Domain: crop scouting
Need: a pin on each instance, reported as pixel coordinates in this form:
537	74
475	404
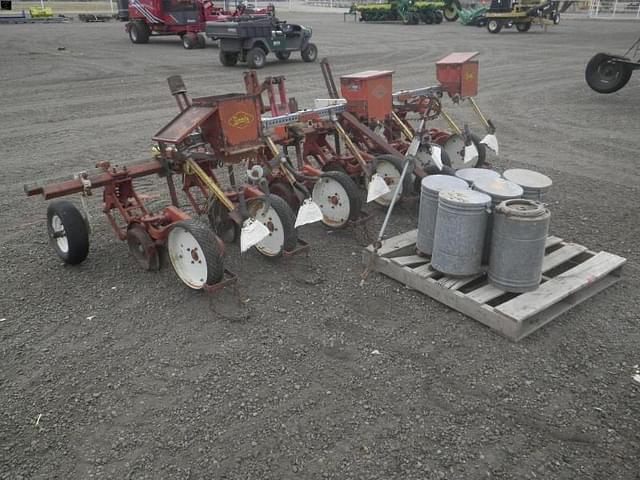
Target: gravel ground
111	372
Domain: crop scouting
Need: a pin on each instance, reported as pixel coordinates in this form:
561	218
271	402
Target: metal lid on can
471	175
499	188
465	196
437	183
528	178
520	207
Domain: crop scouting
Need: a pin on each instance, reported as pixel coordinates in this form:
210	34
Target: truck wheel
606	74
494	26
139	32
201	41
256	58
228	59
309	53
523	27
189	40
68	232
283	55
438	17
556	18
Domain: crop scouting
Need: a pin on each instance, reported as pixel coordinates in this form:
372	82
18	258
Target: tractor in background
409	12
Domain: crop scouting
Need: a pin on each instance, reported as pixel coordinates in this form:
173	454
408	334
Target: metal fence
614	9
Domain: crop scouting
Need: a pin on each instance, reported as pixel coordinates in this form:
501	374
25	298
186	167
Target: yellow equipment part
40	12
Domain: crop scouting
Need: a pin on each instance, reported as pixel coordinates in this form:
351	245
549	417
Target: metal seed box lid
498	188
520	207
368	74
466	196
437	183
528	178
472	175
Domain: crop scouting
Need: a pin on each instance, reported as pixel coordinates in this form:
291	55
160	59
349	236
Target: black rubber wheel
438	17
68	232
189	40
139	32
494	26
221	224
606	74
398	164
450	14
284	190
334	167
256	58
228	59
523	27
286	219
482	150
309	53
428	17
482	22
556	18
201	41
143	248
353	194
283	55
196	254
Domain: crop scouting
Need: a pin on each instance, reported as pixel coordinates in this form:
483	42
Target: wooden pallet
571	274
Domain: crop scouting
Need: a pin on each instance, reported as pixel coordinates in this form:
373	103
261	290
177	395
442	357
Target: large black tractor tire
605	74
438	17
450	14
256	58
139	32
228	59
68	232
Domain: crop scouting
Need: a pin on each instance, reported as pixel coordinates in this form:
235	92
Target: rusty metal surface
182	125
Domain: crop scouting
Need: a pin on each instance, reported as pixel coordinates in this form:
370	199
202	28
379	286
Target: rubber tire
288	220
353	192
398	163
201	41
309	53
139	32
221	224
523	27
450	17
497	28
211	249
482	150
283	56
438	17
228	59
593	77
75	229
189	41
284	190
556	19
334	167
256	58
428	17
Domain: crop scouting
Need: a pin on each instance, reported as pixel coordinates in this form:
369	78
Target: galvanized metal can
534	185
471	175
520	229
460	231
499	190
431	186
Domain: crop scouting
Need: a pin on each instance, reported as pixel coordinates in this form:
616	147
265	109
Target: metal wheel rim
493	24
312	52
60	234
391	176
273	244
187	258
609	72
259	60
454	146
333	201
134	34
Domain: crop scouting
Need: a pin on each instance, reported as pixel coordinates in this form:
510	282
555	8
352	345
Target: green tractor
409	12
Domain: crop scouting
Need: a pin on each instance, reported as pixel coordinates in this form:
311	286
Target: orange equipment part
458	73
368	94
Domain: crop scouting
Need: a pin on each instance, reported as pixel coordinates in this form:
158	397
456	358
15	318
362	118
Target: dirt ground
112	372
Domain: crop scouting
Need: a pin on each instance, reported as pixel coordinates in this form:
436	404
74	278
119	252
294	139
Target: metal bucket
499	190
520	229
535	185
432	185
471	175
460	231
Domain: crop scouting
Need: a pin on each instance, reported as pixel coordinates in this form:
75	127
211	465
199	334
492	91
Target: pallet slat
410	260
560	287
